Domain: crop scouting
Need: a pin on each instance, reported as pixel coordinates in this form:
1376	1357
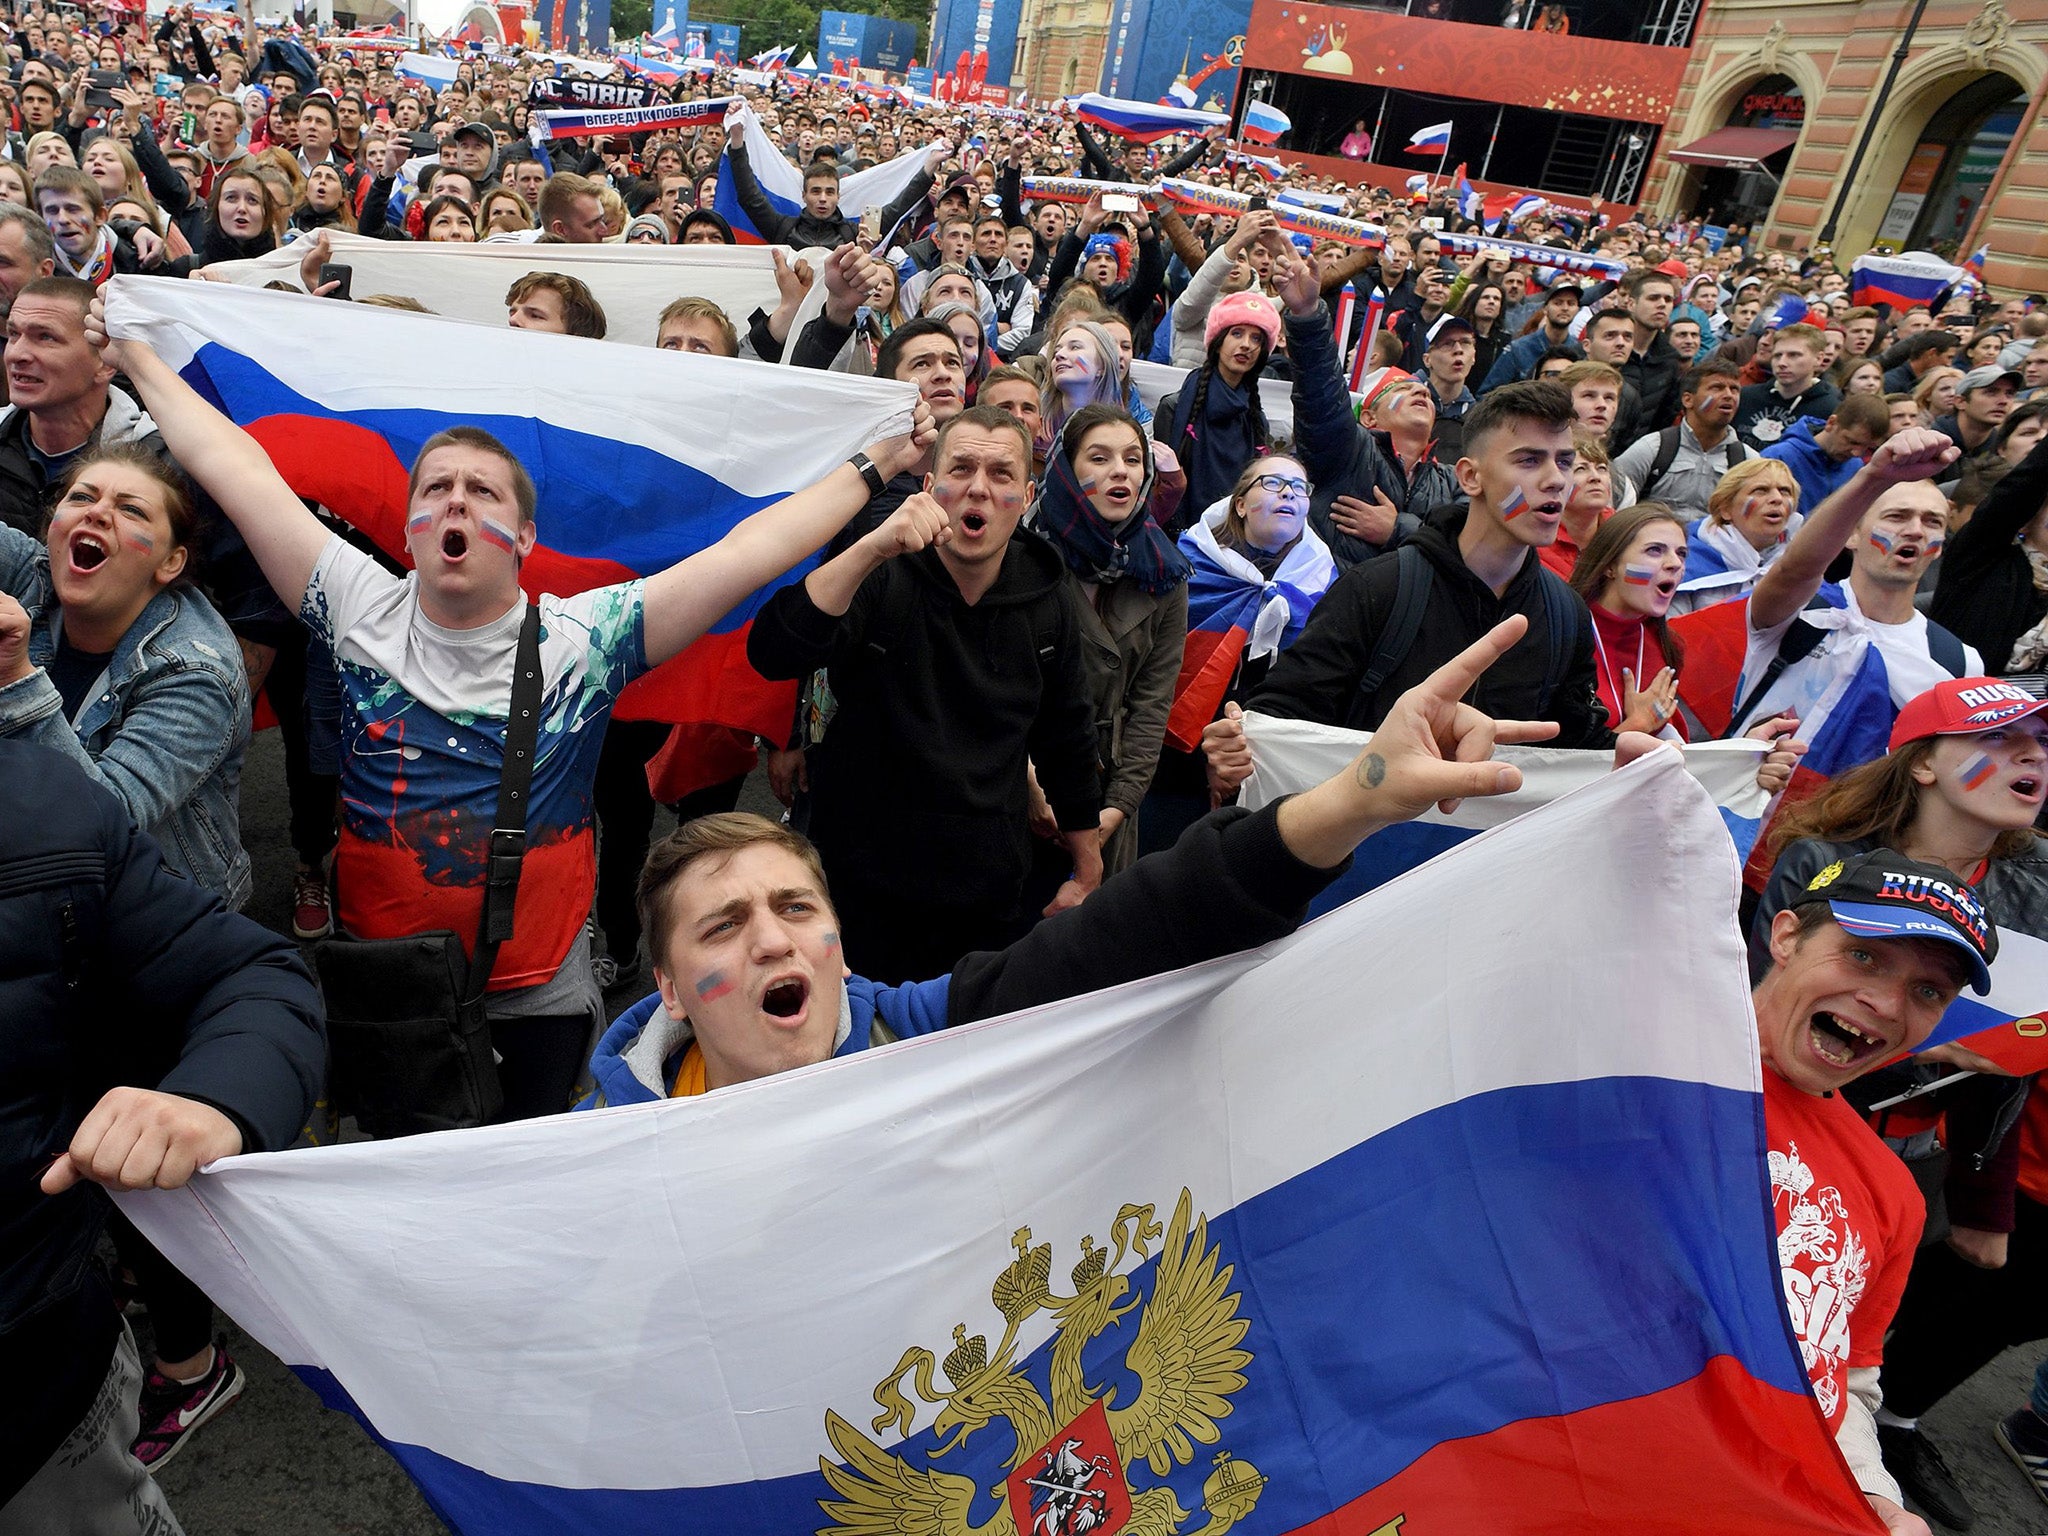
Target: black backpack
1667	455
1414	581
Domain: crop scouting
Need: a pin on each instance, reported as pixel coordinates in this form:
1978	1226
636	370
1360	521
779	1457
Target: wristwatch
869	473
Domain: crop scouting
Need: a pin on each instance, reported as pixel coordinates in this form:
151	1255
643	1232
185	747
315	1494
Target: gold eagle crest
1074	1449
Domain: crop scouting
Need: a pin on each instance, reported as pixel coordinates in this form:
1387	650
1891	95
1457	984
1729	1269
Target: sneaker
611	976
171	1410
1918	1465
2024	1437
312	912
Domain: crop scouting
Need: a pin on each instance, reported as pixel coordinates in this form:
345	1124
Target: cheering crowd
1441	487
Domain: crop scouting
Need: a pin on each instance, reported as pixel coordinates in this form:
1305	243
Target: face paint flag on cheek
1516	504
137	539
713	985
1975	771
494	532
1881	544
1638	575
419	522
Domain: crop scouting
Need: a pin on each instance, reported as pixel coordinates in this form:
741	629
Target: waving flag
1292	755
1266	165
434	70
1397	1226
1470	204
468	282
774	58
783	184
1143	121
1433	140
1264	123
639	457
1902	281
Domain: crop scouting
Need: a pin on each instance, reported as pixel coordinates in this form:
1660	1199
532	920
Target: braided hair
1255	408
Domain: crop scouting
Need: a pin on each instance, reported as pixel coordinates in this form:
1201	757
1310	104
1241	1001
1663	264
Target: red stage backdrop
1631	82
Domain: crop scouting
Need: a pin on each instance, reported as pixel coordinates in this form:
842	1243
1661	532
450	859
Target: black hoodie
918	789
1317	678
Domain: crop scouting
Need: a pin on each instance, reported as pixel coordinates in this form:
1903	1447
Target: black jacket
1131	298
1985	593
1228	885
800	231
1655	375
1317	678
1098	163
1345	458
113	971
918	790
186	210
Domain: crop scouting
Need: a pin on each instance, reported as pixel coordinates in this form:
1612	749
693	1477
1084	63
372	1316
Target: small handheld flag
1433	140
1264	124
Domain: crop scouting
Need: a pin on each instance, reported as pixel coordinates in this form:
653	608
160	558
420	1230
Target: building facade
1061	46
1784	120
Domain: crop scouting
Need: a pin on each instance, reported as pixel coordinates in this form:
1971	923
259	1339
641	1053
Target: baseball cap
1989	374
1885	895
475	131
1445	325
1963	706
1564	282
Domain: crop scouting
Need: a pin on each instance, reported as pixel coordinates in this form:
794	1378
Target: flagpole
1442	158
1487	163
1380	121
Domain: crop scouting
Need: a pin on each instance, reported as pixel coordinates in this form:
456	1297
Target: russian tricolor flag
1399	1225
1141	120
1433	140
430	68
1903	281
1263	124
783	184
640	457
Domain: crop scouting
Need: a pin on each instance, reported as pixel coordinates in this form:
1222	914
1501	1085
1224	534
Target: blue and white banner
1396	1225
1291	755
670	114
783	184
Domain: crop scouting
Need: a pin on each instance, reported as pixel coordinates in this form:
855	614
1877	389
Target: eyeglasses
1279	485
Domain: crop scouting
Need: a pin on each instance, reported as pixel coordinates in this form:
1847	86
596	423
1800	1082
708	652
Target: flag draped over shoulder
1395	1225
1292	755
632	283
783	184
639	458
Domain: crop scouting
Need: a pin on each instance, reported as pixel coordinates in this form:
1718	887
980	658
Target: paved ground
279	1464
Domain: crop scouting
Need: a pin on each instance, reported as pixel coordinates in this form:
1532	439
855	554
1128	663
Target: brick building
1777	96
1060	46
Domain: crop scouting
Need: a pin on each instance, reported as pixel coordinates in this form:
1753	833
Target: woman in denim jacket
109	654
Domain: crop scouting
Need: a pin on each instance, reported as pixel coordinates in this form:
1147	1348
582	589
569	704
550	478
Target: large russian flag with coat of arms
639	457
1447	1215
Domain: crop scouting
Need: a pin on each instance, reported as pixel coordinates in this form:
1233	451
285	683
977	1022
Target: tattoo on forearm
1373	771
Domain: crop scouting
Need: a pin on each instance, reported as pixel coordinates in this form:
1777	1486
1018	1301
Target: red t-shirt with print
1849	1219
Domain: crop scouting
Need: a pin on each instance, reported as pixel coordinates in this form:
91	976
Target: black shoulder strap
1413	580
508	835
1559	608
1947	651
1800	642
1660	466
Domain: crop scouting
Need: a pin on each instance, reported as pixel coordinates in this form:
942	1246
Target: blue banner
888	45
1174	51
840	34
725	42
977	26
919	80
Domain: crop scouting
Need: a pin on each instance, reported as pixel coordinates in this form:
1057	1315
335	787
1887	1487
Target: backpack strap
1947	650
1558	608
1412	584
1800	641
1660	466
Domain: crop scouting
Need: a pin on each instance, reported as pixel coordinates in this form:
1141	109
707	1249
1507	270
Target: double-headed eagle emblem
1075	1448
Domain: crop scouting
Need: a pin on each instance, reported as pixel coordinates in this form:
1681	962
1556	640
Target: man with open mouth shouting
426	668
1863	965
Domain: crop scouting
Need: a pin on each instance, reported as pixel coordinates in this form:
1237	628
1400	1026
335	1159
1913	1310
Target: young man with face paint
755	970
955	659
426	672
1482	566
1863	960
1893	522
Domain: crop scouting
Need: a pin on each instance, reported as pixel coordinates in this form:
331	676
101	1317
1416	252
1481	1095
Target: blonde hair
1741	479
